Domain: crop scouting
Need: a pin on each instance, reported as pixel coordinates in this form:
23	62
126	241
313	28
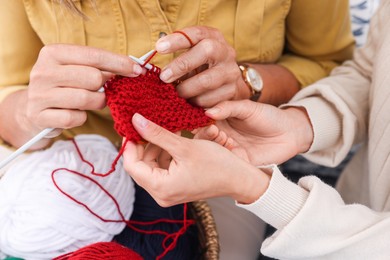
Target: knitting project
155	100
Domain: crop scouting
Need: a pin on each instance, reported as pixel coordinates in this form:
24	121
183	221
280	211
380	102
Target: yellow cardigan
307	37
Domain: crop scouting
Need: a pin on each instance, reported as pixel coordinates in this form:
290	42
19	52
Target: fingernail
139	120
163	46
137	69
166	75
213	111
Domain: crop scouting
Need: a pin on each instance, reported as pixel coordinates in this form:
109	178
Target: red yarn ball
102	250
155	100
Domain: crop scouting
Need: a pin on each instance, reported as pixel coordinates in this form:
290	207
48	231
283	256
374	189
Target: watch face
255	80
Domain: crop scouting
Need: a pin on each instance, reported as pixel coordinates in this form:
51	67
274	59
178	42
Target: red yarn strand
187	37
186	222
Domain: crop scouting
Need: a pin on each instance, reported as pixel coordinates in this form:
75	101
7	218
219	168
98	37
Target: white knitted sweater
315	221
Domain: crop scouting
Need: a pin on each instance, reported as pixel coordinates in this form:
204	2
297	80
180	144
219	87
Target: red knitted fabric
155	100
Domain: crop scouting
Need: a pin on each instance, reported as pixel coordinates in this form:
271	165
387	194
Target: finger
152	153
212	133
242	109
78	76
135	166
71	98
213	97
207	133
207	52
156	134
205	81
231	144
164	160
60	118
67	54
176	41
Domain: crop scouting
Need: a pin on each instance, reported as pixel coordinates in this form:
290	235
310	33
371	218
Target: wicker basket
208	235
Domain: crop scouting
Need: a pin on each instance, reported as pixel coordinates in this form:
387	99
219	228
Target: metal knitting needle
46	131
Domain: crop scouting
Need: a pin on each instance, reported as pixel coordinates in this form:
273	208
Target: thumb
156	134
241	109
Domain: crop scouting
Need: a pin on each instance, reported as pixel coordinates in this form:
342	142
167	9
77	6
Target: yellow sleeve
19	47
318	38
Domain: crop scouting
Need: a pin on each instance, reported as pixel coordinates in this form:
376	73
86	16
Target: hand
266	133
221	80
64	84
199	169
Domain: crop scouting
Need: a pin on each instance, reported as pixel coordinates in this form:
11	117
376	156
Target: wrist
251	186
16	128
304	134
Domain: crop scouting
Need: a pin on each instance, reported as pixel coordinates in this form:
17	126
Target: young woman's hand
218	77
199	169
267	134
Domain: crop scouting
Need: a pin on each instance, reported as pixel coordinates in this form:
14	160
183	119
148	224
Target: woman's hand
267	134
199	169
220	78
63	85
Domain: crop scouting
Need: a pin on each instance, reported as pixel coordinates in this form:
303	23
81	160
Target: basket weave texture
208	235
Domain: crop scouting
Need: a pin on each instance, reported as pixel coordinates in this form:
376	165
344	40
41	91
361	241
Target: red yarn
155	100
102	250
170	239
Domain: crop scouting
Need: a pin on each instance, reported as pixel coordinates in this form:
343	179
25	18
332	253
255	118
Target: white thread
39	222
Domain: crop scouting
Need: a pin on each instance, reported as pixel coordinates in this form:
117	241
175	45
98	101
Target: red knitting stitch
155	100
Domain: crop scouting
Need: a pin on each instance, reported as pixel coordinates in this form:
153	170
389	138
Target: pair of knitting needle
46	131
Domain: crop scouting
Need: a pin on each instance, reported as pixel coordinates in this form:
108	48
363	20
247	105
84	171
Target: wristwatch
253	80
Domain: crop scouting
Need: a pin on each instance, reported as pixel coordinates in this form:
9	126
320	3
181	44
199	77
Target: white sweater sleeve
338	106
313	222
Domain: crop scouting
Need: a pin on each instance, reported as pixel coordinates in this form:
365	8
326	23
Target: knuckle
35	74
38	73
198	32
209	47
183	64
83	98
125	63
48	50
204	101
70	119
205	81
100	102
95	78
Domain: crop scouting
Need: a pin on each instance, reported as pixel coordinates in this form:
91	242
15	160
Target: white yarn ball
37	221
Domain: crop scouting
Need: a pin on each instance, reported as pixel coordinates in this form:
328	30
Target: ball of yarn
155	100
37	221
102	250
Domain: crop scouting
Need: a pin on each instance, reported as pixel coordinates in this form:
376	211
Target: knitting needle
141	62
25	147
46	131
146	55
